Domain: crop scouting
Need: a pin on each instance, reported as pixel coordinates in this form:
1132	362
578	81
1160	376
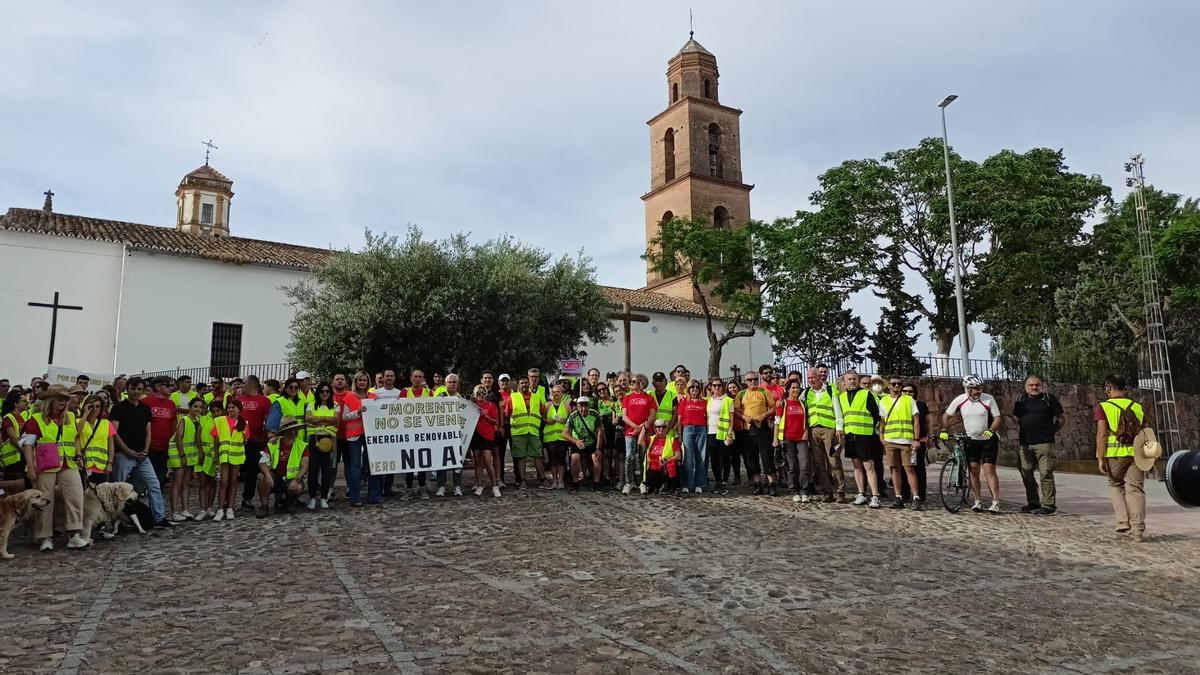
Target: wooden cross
54	307
626	316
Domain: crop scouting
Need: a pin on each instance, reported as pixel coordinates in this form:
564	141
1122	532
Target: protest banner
407	435
66	377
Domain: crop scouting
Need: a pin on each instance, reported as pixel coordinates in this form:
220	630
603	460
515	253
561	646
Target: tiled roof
208	173
691	46
237	250
244	251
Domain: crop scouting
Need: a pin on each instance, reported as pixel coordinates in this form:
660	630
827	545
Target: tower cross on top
208	148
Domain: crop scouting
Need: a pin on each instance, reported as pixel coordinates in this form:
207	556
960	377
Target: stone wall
1076	441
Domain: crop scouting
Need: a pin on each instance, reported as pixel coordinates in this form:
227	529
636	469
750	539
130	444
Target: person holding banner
525	409
416	390
585	432
450	390
483	440
351	446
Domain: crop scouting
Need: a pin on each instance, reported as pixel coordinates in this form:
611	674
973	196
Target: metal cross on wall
626	316
54	307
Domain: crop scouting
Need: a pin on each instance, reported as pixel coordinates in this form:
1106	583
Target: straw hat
289	424
1146	449
54	391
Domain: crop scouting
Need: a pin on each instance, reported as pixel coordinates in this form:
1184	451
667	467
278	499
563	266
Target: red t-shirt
254	411
693	412
776	392
484	427
638	407
352	427
162	422
795	426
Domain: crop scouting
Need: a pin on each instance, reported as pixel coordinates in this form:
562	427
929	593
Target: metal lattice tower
1162	386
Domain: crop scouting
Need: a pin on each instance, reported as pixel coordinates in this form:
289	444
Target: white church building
126	278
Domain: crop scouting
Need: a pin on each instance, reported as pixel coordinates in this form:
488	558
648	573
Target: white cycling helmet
973	381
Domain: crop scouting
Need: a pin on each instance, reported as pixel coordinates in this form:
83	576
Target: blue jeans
633	461
695	460
141	475
355	454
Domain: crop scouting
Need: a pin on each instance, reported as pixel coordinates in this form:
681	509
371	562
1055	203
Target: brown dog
14	509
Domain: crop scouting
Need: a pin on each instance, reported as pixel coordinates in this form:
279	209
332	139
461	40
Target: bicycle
954	479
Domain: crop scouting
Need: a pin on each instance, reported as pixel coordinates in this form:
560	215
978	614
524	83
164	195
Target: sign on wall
408	435
66	377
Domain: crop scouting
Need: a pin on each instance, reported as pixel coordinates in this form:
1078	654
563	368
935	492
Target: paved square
599	583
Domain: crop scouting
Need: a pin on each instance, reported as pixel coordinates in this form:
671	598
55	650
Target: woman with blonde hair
483	438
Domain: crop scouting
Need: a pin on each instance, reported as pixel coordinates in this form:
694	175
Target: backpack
1128	425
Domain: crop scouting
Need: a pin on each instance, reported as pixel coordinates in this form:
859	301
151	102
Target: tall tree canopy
718	264
1015	214
446	304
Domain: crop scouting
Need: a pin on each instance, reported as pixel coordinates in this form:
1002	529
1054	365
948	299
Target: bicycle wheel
953	484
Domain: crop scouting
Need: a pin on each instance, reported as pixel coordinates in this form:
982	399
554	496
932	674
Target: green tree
718	263
893	340
450	304
836	339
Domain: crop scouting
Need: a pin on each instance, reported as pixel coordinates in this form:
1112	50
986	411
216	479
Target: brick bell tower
695	157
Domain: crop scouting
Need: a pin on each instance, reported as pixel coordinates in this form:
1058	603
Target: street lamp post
958	291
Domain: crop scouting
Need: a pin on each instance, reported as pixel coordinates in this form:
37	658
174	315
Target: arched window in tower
714	151
669	154
720	217
708	89
674	92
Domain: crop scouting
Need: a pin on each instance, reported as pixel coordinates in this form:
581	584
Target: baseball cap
503	376
659	376
582	399
303	375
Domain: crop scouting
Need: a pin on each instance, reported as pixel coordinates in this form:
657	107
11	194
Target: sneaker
457	491
860	499
874	502
324	503
523	486
201	516
699	491
829	499
187	515
247	505
478	490
804	498
840	499
228	514
898	503
546	485
916	504
1136	536
495	490
774	489
758	490
424	493
77	541
219	515
626	489
595	487
312	503
796	497
263	512
441	491
1031	508
978	506
686	491
1045	511
47	544
176	517
164	524
1122	528
994	508
643	489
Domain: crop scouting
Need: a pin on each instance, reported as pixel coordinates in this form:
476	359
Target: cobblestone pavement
598	583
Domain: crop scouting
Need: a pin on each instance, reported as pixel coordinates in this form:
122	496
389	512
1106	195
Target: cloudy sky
529	118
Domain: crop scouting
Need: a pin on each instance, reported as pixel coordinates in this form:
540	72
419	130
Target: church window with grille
226	355
714	151
206	214
669	153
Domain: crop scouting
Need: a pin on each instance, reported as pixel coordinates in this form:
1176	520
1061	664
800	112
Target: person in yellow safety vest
230	436
439	385
209	464
12	419
525	410
720	431
322	418
283	467
1118	419
96	439
664	399
305	392
558	410
534	376
271	390
49	443
861	413
826	436
182	397
680	376
218	392
291	405
183	456
661	464
899	421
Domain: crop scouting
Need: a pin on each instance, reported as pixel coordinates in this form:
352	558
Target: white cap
582	399
304	375
503	376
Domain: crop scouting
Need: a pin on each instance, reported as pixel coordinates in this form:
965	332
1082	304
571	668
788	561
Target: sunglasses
752	379
910	391
894	384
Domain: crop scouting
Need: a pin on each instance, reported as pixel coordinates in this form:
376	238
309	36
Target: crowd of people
204	451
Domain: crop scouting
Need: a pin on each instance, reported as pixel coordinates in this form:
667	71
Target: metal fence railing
951	367
264	371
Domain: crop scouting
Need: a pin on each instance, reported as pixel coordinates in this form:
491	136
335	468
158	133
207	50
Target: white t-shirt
714	412
380	392
974	413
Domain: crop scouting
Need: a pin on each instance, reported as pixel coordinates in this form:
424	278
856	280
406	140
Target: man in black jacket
1039	415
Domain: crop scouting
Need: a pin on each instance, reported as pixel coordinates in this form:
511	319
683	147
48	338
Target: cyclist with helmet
980	417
